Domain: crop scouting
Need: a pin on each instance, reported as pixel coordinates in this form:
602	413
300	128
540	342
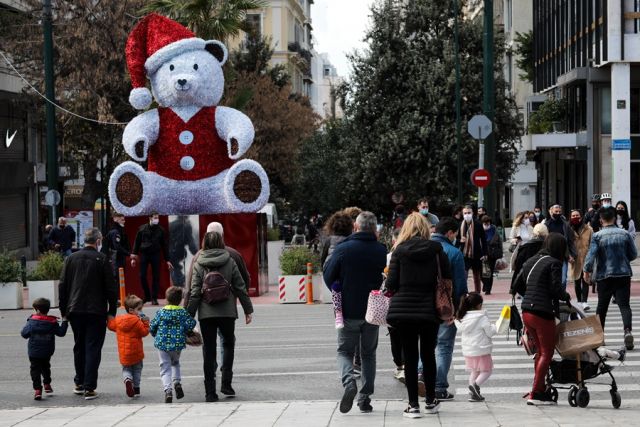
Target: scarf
467	251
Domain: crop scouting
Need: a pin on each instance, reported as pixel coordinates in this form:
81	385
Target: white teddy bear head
192	78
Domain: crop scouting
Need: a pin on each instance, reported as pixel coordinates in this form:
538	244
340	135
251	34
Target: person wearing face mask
473	244
558	224
494	251
423	208
622	218
116	244
62	237
445	234
537	212
150	243
582	236
521	231
592	217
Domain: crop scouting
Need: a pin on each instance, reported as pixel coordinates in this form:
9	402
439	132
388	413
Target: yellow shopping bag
502	325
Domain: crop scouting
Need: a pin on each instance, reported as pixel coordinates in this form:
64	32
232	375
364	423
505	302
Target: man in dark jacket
151	241
357	263
116	244
88	296
473	244
592	217
62	237
558	224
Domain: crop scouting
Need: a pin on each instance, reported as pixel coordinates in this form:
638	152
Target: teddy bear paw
129	189
247	186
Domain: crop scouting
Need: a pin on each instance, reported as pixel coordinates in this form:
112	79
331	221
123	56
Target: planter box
274	250
320	291
292	289
10	295
44	289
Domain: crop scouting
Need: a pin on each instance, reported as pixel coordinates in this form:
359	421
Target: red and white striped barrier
292	289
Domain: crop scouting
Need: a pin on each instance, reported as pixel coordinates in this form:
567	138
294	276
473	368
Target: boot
226	388
210	391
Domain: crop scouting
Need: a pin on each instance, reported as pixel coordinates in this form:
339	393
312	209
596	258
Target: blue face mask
424	211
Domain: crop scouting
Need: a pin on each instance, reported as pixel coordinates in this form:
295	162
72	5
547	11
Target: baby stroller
574	369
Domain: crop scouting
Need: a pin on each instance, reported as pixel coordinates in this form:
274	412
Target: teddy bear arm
140	133
235	129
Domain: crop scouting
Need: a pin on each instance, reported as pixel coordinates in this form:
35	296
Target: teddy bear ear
218	50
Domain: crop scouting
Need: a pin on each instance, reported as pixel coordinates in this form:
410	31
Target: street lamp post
52	145
488	101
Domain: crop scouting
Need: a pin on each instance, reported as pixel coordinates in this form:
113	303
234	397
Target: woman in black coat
413	277
540	284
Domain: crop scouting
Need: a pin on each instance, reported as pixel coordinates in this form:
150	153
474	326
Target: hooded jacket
413	278
170	327
41	330
218	260
129	329
477	331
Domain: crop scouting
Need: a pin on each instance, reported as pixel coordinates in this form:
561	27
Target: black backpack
215	288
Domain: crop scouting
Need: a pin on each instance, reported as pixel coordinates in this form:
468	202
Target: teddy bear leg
130	191
246	187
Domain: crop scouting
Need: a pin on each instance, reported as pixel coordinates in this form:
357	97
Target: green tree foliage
208	19
253	57
399	106
524	50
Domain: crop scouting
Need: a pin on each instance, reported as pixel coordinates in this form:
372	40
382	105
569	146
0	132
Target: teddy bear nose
182	82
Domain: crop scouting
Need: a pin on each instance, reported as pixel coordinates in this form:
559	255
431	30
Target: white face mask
606	205
526	221
486	227
155	221
468	217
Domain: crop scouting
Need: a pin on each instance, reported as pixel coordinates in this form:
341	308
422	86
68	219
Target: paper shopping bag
577	336
502	325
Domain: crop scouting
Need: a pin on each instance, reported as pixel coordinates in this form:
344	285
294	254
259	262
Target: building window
508	15
327	71
509	65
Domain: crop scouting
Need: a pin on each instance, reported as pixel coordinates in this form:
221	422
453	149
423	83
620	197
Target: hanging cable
53	103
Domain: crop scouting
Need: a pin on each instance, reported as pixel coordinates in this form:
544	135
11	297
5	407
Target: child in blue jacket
170	327
41	330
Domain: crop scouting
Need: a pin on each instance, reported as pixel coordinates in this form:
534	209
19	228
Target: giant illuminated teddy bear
191	145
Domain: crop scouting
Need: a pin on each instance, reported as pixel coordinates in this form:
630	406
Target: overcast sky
338	29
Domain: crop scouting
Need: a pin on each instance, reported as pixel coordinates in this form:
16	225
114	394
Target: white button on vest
186	137
187	163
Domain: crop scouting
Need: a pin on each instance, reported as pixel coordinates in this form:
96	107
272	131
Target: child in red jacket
130	328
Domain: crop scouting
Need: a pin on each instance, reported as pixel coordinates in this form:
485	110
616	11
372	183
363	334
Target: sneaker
48	389
78	389
432	407
540	399
399	375
444	395
622	354
339	320
179	392
37	395
585	306
90	395
136	391
168	396
226	389
474	393
128	387
154	302
365	406
346	403
628	340
422	389
412	412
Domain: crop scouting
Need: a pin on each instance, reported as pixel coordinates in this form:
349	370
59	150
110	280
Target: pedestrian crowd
427	253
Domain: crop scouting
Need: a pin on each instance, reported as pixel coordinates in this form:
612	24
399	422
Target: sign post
480	127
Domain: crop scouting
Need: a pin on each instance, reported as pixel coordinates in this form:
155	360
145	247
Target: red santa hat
152	42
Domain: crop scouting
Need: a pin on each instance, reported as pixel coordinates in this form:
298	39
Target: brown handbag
444	289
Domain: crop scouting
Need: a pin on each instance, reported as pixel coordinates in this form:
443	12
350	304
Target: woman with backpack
216	275
540	284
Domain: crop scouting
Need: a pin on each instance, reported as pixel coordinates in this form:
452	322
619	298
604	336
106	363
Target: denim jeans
133	372
444	354
358	331
169	368
565	271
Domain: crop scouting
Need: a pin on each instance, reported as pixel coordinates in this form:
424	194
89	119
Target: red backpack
215	288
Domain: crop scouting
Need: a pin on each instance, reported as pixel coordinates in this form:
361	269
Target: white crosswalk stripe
513	368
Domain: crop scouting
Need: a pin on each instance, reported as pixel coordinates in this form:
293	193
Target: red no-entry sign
480	178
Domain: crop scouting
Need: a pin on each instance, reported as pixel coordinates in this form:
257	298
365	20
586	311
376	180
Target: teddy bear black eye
171	67
195	66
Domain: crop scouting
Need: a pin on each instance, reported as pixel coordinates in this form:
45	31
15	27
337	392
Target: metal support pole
488	103
52	144
458	119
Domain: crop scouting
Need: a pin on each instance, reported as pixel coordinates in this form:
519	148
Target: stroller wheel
553	393
572	396
582	397
616	400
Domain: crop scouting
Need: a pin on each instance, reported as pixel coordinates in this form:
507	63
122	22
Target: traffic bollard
122	287
309	283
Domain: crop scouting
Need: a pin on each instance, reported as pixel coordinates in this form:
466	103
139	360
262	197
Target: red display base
244	232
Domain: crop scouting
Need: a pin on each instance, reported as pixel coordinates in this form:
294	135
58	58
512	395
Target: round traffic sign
480	178
52	198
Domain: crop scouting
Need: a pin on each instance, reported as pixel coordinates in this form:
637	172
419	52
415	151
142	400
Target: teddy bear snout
182	85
